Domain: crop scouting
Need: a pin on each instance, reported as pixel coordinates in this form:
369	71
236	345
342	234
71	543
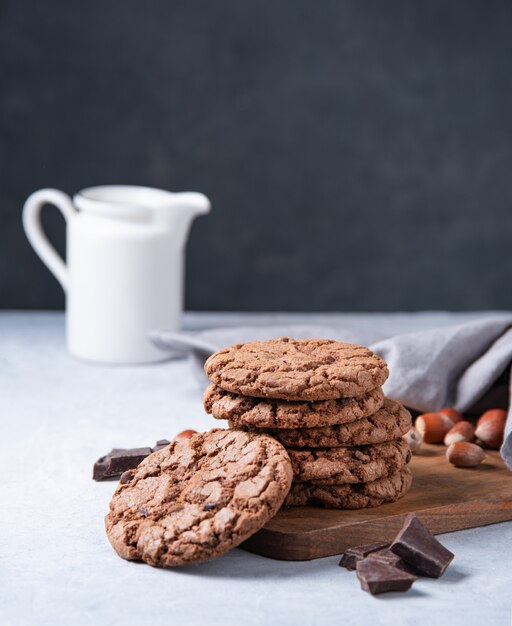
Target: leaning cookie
267	413
363	464
289	369
390	422
358	496
198	498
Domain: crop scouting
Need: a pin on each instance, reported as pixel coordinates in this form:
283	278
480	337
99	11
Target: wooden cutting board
446	498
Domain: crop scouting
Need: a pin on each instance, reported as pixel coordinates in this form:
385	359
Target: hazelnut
185	434
490	428
414	439
465	454
433	426
461	431
453	414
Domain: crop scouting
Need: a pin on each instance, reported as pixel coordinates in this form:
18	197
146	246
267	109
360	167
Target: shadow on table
248	566
412	594
245	565
453	575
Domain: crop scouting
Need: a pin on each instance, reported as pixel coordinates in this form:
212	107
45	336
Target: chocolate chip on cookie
198	497
245	411
390	422
351	496
289	369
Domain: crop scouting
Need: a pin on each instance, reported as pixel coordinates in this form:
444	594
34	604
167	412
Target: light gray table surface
56	566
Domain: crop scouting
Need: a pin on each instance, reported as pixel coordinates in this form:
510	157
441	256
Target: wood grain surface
445	498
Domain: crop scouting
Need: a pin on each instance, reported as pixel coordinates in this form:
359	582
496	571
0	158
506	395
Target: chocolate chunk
161	443
390	558
420	549
98	471
352	555
378	577
100	467
126	477
117	461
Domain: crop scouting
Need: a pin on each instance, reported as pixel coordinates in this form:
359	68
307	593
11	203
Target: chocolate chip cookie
198	497
289	369
351	496
390	422
267	413
363	464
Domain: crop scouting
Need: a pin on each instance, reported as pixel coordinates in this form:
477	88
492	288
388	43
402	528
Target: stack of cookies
323	401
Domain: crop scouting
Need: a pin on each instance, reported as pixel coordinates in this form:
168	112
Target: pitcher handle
36	235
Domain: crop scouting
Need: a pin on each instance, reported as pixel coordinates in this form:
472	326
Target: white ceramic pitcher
125	264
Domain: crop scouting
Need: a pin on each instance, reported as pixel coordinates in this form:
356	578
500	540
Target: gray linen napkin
450	366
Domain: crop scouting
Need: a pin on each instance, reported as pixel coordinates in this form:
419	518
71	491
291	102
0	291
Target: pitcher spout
177	216
193	202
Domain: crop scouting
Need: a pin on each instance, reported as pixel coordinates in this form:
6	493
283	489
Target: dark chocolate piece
126	477
420	549
117	461
390	558
100	467
378	577
351	556
98	471
161	443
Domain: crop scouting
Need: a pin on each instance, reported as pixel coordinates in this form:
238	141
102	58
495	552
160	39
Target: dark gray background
358	155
